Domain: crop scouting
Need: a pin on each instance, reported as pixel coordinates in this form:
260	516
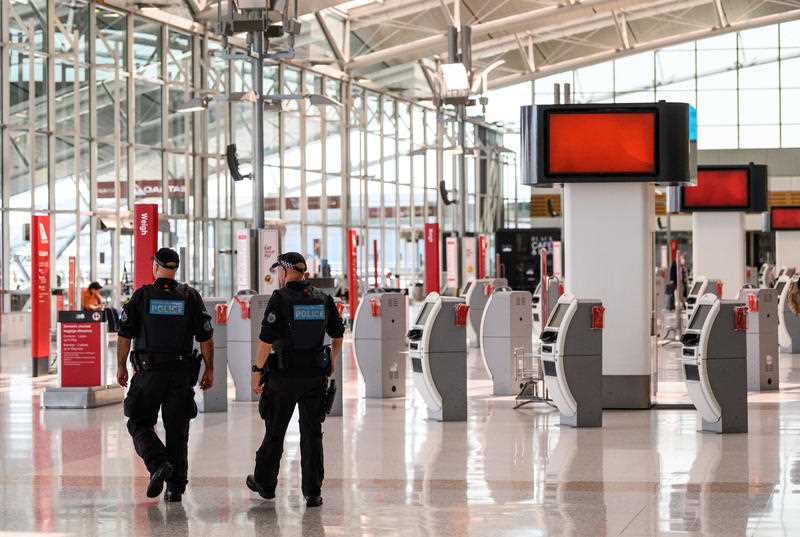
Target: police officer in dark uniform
162	319
293	355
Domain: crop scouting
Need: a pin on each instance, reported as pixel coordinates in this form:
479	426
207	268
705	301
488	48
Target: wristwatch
257	369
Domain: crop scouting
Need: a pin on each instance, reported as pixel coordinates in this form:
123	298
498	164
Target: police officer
162	319
291	350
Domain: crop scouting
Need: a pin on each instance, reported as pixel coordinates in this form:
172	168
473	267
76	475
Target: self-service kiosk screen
699	317
558	316
426	310
466	287
696	288
780	287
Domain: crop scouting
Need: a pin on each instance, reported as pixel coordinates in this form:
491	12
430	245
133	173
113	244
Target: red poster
145	242
483	244
352	267
80	352
40	293
432	271
71	282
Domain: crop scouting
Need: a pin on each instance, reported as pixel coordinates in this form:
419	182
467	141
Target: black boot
258	489
172	496
157	479
313	501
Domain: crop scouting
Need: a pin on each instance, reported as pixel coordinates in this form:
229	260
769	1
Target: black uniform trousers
170	389
281	395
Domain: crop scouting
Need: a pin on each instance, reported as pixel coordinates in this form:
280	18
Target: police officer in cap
162	319
292	352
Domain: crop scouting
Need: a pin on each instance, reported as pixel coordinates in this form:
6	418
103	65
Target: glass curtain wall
90	110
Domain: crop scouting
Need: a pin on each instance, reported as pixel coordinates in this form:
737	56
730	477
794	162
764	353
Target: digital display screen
426	310
696	288
699	317
467	287
601	143
780	287
785	218
718	188
558	316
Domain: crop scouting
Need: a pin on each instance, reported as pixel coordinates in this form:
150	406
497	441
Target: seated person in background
91	299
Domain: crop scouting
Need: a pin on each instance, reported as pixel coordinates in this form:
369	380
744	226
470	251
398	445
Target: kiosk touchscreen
762	338
715	364
700	286
438	347
553	292
379	342
476	293
506	338
245	313
788	322
572	358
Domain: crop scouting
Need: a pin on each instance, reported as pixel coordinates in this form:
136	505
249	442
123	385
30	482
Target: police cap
290	261
167	258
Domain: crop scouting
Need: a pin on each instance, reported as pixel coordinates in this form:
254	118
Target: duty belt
149	360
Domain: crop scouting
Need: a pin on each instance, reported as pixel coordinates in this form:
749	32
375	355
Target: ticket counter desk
714	357
572	358
438	349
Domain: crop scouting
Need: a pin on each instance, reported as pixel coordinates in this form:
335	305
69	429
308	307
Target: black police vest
166	321
307	321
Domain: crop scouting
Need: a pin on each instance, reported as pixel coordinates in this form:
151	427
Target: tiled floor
389	471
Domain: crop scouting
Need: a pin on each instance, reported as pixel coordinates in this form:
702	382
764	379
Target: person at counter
91	300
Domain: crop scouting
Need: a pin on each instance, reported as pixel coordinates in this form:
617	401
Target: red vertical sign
352	267
73	305
145	242
40	293
673	250
483	244
432	272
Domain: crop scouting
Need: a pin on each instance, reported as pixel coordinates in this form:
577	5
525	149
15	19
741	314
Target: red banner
145	242
81	352
40	293
432	272
71	282
483	245
352	267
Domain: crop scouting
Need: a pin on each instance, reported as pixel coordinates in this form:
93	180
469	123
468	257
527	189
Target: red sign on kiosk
81	349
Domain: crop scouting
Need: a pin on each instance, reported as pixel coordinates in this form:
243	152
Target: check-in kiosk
476	293
438	349
215	399
700	286
379	341
762	338
788	322
506	338
245	314
572	358
787	271
553	292
715	364
766	276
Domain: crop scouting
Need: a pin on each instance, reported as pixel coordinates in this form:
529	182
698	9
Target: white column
787	249
718	249
608	255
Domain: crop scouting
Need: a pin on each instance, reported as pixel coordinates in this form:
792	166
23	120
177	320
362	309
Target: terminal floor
391	472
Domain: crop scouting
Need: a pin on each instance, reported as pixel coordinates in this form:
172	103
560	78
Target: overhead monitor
558	315
591	143
423	315
699	317
785	218
727	188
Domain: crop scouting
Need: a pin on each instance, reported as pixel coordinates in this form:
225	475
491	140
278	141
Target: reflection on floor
389	471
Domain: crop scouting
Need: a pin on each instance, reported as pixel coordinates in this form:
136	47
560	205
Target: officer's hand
208	379
255	383
122	376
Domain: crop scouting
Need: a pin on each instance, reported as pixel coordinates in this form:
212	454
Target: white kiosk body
216	398
438	349
700	286
715	365
766	276
476	295
506	338
553	287
762	338
788	322
379	342
245	314
572	358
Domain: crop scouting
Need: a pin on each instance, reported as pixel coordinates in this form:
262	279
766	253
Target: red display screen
601	143
718	189
785	218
